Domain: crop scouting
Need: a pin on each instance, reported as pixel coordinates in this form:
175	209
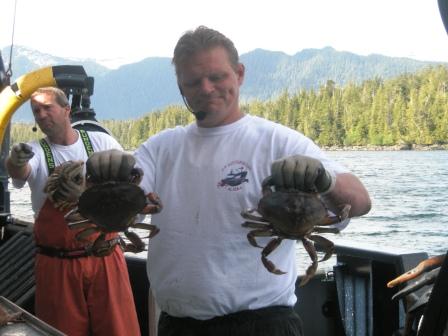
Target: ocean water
409	199
409	192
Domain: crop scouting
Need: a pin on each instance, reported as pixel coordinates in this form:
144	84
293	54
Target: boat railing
352	299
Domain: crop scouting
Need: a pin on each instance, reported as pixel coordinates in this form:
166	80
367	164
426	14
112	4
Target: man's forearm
349	190
21	172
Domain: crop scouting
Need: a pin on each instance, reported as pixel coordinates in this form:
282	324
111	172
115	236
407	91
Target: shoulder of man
103	141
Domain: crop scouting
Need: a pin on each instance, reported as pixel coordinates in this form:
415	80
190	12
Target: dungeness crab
113	206
104	207
291	214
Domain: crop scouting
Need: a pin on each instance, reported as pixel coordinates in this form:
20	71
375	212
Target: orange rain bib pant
81	296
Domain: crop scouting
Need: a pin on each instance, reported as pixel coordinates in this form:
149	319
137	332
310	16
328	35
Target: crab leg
271	246
311	270
258	233
102	247
318	229
343	215
423	266
154	206
327	245
249	214
137	245
154	229
85	233
255	225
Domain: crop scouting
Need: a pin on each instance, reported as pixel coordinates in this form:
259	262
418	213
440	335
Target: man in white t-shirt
76	292
205	276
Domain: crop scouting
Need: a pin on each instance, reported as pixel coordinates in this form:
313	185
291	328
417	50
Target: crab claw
271	246
154	206
327	246
154	229
345	212
310	271
137	245
102	247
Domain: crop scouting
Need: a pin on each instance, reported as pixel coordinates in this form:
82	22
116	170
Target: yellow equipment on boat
14	95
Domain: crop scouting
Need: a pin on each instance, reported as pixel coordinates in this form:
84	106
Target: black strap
87	251
49	158
61	253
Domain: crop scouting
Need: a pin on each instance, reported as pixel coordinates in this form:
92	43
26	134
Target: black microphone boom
200	115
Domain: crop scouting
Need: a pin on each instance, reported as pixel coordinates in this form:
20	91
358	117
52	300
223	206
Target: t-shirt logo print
235	174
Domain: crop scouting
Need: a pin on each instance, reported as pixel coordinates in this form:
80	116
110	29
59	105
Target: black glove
302	173
109	165
20	154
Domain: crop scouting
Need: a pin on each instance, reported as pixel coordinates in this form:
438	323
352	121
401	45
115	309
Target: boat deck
351	299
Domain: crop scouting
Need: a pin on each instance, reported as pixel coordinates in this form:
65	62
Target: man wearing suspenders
76	292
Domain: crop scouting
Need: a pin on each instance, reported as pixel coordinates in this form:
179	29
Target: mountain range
135	89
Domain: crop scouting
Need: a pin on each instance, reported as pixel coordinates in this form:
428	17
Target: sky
117	32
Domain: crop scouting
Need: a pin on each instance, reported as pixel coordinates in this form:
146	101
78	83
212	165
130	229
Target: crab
291	214
101	207
113	206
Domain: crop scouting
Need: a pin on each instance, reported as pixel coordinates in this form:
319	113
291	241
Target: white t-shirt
39	169
201	264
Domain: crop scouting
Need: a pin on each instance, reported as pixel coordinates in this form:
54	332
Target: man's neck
68	138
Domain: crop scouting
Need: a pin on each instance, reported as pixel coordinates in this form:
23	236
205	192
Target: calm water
409	195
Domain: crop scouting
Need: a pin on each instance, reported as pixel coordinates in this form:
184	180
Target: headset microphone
200	115
34	129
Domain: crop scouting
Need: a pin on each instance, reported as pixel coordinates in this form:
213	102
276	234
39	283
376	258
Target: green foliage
409	109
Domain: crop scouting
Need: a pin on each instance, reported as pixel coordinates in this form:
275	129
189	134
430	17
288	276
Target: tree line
406	110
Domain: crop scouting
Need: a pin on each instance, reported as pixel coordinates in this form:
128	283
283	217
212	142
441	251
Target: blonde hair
59	95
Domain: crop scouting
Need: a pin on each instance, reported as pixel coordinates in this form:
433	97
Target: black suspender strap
49	155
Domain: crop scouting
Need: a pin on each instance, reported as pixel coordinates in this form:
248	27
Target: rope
9	70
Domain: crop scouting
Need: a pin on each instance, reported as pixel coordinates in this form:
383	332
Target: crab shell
294	213
112	205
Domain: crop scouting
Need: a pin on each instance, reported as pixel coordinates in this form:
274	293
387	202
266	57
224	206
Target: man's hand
20	154
109	165
302	173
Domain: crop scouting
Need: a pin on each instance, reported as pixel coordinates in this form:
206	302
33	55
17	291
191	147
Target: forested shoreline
403	113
